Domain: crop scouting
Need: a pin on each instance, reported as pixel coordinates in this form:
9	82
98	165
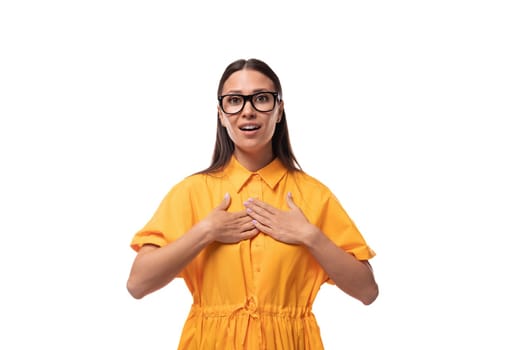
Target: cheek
276	118
226	124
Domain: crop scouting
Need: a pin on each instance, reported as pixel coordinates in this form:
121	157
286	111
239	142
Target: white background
412	112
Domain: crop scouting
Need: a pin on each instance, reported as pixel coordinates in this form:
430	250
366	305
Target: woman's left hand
290	227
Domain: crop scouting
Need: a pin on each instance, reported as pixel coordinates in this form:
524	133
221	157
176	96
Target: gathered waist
251	308
249	325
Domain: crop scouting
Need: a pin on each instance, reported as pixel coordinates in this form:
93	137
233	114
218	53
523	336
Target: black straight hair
224	146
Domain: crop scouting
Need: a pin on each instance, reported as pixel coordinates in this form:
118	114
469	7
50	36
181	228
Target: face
250	130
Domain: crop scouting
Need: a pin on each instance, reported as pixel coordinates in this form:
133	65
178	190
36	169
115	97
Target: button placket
256	187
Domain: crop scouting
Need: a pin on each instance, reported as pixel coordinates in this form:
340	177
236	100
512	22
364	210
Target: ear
281	111
220	116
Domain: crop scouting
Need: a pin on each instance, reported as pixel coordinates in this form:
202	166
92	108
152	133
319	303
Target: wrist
313	236
204	232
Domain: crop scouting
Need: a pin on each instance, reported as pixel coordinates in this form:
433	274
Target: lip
250	131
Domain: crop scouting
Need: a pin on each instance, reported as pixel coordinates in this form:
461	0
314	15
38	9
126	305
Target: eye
234	100
262	98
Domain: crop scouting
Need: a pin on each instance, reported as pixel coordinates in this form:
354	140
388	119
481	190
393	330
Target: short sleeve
341	229
170	221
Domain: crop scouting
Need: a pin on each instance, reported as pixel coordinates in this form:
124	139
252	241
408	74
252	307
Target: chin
251	147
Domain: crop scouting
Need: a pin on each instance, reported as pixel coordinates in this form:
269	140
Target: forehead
247	81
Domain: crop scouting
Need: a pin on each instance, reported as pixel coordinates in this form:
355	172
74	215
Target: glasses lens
263	101
232	103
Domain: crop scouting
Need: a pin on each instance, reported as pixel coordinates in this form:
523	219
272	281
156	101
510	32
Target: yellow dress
258	293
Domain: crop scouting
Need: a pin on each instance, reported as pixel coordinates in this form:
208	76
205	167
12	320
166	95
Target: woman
253	236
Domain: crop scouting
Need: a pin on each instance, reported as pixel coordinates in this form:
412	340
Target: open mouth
250	127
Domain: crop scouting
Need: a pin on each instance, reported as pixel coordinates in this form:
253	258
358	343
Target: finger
261	218
225	203
254	204
240	217
289	201
263	228
250	233
245	224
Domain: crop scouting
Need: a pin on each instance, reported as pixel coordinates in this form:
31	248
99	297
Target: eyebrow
239	92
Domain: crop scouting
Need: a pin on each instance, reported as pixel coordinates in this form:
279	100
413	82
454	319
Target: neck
253	161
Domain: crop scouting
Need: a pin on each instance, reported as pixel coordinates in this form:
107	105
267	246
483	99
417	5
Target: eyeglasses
261	101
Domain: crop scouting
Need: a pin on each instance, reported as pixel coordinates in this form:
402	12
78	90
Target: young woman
253	235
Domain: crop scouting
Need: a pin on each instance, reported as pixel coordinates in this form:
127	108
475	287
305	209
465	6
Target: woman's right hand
225	227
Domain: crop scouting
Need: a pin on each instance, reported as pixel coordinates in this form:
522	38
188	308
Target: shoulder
311	186
305	179
189	184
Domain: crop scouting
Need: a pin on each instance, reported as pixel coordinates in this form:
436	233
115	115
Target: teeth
249	127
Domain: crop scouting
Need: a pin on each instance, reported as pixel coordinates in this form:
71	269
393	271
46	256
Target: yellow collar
239	175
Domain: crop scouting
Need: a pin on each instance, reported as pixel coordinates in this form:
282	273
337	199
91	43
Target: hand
228	227
290	227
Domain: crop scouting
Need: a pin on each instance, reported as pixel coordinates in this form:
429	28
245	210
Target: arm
353	276
155	267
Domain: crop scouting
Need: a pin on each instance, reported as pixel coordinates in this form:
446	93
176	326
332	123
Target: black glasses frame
250	98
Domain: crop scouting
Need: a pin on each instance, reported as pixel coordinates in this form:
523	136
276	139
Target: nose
248	110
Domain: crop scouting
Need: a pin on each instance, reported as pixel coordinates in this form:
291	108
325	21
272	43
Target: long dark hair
224	146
